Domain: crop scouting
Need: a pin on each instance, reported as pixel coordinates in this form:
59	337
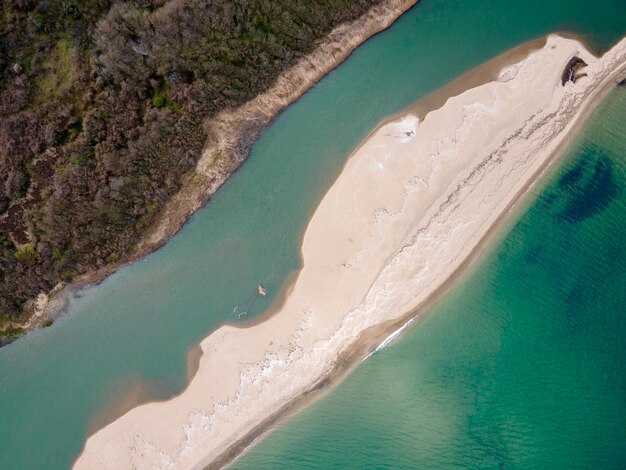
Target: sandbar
411	205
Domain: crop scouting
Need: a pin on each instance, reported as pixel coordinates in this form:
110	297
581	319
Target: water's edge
521	364
476	76
372	338
231	135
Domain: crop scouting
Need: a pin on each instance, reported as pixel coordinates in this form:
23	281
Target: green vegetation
78	159
58	72
26	254
159	99
10	332
101	111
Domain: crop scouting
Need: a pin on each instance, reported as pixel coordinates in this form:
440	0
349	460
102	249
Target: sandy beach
411	205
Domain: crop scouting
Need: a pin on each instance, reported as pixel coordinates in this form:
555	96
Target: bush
26	254
159	100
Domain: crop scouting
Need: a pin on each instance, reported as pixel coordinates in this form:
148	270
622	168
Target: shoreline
479	75
231	442
432	101
368	344
371	341
230	136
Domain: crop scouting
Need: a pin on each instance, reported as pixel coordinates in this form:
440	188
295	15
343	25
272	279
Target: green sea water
522	365
137	326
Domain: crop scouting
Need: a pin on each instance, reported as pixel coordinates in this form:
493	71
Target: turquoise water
137	325
522	365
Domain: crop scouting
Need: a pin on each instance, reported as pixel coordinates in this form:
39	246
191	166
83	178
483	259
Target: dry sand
410	206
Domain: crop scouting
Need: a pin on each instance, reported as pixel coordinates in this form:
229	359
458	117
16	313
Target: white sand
410	206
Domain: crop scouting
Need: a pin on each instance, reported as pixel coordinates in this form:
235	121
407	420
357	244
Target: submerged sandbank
410	206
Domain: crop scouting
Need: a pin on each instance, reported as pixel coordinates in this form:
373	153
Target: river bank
386	253
231	135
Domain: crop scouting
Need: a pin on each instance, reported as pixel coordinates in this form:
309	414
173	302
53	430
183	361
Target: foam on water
391	337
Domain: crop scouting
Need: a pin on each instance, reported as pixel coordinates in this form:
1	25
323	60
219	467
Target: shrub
26	254
159	99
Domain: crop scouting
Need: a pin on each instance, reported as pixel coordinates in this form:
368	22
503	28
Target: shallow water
522	365
133	330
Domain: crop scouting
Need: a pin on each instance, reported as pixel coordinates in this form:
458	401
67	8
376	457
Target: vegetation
101	110
26	254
